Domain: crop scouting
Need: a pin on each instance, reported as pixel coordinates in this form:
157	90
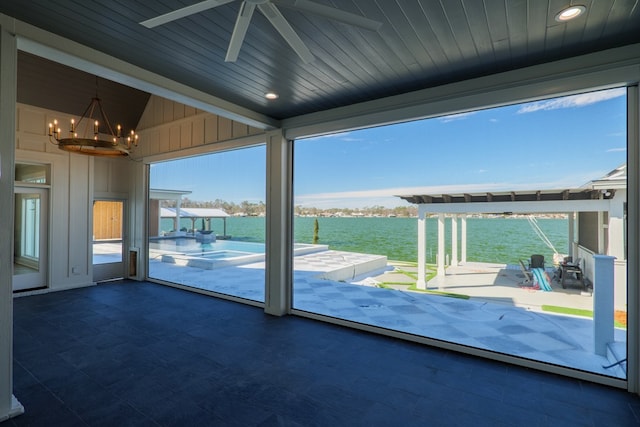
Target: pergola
194	214
460	204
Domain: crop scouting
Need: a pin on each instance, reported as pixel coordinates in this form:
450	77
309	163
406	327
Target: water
503	240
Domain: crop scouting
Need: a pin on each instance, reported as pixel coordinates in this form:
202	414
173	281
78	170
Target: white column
454	240
441	254
9	406
615	231
138	212
601	249
571	236
176	224
603	306
633	233
279	240
422	248
463	239
159	219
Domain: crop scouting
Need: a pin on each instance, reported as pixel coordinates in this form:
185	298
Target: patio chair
572	272
537	261
528	276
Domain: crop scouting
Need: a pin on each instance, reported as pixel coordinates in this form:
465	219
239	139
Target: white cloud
616	150
573	101
455	117
339	135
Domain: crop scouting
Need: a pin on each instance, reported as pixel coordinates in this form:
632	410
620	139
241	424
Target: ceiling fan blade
239	31
185	11
280	23
337	14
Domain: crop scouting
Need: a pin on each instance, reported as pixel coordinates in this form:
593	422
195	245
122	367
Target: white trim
633	239
8	78
601	70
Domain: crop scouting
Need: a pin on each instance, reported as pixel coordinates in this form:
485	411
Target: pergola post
441	254
463	239
601	248
176	221
603	303
422	248
571	233
454	240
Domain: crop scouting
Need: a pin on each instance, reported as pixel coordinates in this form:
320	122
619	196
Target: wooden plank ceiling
420	44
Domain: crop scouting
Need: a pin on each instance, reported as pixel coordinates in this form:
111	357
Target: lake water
504	240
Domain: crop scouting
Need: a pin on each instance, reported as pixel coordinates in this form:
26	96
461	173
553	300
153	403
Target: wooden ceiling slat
443	32
499	30
537	21
433	55
476	16
459	28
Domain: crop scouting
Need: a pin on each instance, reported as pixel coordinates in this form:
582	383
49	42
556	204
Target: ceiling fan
272	13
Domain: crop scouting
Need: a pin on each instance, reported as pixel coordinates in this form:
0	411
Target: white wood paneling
79	207
72	181
168	126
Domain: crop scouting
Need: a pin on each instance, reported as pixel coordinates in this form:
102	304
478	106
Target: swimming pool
222	253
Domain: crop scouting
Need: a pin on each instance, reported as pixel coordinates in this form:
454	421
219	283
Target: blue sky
556	143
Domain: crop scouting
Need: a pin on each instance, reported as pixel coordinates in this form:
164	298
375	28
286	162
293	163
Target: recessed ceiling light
271	95
570	13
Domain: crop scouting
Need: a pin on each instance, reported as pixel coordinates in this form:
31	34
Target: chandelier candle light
114	144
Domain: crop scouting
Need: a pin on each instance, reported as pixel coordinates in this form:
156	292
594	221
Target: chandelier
93	135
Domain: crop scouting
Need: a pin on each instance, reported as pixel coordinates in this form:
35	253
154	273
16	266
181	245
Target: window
484	285
207	222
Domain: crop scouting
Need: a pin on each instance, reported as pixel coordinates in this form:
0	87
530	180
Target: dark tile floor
137	354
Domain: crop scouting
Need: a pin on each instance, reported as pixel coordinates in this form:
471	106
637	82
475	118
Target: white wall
70	196
170	127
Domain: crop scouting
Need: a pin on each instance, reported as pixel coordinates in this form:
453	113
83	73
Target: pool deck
501	314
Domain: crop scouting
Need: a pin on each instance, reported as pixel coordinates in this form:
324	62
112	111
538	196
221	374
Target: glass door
30	238
108	242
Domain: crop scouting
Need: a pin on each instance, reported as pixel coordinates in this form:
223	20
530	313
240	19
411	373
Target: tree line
259	208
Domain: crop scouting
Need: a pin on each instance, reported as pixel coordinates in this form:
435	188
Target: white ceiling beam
555	206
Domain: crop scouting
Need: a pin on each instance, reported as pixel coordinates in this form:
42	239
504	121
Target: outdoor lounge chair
528	276
572	273
537	261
